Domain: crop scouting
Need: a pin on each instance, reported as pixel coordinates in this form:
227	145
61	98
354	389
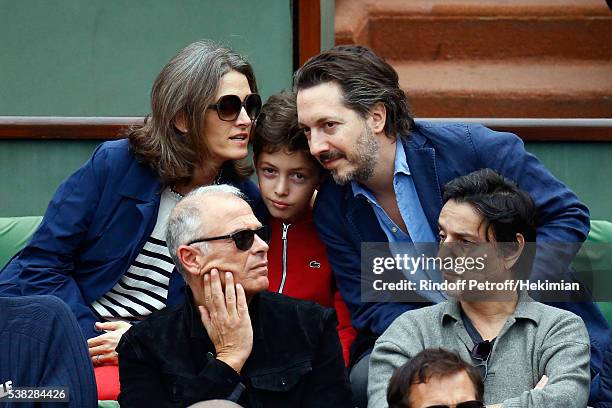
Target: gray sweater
536	340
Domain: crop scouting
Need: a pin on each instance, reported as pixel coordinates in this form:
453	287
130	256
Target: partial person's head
436	378
348	98
196	118
215	404
214	227
288	174
487	209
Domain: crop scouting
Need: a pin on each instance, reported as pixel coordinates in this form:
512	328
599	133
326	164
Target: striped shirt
143	289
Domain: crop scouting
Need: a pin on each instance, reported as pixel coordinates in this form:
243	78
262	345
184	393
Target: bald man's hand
226	319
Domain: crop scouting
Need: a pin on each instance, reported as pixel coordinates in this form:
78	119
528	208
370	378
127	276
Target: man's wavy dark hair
365	79
506	209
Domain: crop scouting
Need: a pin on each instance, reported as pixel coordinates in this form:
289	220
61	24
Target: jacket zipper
284	238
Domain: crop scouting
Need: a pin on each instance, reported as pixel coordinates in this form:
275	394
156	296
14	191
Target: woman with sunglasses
101	245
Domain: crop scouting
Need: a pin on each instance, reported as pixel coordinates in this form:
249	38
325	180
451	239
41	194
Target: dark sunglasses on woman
228	107
465	404
243	239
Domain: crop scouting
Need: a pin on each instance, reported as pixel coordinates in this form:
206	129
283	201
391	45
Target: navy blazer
96	224
436	154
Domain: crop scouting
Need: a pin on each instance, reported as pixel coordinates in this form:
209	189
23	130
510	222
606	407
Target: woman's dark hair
277	128
422	367
506	209
365	79
187	86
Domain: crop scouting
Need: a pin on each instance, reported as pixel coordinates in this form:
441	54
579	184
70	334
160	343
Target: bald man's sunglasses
465	404
228	107
243	239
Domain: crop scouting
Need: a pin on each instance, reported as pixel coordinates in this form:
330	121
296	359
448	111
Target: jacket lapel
140	184
360	215
422	163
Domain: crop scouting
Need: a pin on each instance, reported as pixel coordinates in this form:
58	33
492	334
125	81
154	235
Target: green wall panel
585	167
32	170
100	57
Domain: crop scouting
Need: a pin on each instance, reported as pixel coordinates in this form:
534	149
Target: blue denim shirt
407	201
411	210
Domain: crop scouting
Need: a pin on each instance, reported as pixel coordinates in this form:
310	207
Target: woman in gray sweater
529	354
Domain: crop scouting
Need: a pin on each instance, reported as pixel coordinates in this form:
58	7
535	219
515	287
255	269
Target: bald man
215	404
231	340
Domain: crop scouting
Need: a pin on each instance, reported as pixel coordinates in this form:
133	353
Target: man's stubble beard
364	158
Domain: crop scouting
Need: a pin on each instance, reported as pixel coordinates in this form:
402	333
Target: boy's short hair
277	128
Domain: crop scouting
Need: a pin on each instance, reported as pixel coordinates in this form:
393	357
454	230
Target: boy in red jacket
288	176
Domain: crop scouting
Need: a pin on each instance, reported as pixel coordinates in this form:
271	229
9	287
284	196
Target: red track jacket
298	267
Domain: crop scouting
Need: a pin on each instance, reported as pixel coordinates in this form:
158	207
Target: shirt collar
525	309
358	190
400	167
401	163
